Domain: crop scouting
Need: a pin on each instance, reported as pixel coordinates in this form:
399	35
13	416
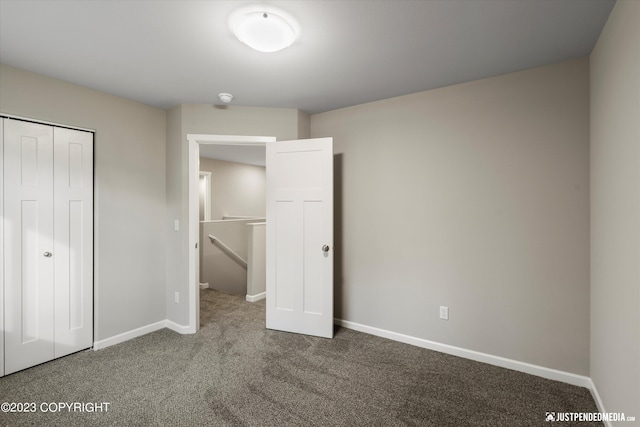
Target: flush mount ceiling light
225	97
264	30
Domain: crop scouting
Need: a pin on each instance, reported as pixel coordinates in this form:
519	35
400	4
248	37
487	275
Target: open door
300	236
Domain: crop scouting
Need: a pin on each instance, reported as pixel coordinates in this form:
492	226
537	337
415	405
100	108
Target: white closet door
28	244
47	243
73	245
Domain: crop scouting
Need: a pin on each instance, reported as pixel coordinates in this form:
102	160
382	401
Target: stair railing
228	251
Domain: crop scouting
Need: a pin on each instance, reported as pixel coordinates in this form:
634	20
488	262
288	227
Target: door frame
193	273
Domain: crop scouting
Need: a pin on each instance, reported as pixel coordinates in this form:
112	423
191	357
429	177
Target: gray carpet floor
234	372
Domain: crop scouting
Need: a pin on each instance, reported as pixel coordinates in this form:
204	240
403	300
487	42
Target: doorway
195	142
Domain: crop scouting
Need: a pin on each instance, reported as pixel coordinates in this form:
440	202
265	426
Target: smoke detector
225	97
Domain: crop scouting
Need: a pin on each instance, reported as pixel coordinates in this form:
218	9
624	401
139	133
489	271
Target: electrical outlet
176	297
176	225
444	312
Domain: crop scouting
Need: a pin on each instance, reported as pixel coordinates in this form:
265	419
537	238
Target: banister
228	251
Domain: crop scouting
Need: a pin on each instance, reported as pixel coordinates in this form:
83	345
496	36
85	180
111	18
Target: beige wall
236	189
283	123
176	194
257	260
217	268
129	191
475	197
615	211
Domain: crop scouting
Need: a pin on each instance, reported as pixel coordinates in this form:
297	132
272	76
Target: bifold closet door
73	240
28	239
48	243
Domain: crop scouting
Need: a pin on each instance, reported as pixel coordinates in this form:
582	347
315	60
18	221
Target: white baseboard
126	336
503	362
256	297
541	371
178	328
138	332
204	286
596	396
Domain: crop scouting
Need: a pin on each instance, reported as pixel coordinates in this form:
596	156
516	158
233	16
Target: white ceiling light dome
225	97
265	30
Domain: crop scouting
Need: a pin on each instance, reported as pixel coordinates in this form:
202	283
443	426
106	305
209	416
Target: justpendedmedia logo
587	416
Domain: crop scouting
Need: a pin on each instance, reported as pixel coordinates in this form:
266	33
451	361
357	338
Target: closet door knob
325	248
48	254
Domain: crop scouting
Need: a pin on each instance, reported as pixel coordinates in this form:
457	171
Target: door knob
48	254
325	248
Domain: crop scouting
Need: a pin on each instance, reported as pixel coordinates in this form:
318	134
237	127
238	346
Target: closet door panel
73	231
28	244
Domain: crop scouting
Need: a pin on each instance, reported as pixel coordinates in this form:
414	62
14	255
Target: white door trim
194	141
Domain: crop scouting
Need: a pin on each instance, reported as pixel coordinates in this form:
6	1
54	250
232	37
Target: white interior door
28	244
300	236
73	245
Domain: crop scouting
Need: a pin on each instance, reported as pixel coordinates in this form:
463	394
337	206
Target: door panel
299	224
312	270
73	251
28	239
285	248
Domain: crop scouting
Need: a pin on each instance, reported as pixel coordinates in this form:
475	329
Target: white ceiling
165	53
